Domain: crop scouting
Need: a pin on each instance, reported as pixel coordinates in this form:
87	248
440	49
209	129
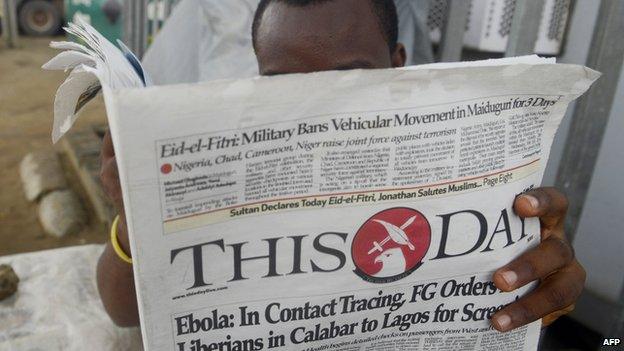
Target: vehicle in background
46	17
40	17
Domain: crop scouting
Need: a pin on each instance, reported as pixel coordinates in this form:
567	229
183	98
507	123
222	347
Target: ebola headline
346	322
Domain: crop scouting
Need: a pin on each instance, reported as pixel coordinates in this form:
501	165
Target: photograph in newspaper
360	210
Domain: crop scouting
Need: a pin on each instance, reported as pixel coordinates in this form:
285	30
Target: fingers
552	262
550	255
547	203
109	177
107	146
556	294
109	174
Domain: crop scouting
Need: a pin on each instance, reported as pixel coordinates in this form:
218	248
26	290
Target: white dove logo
384	250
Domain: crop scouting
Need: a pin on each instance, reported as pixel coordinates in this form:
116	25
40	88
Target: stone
41	173
61	213
8	281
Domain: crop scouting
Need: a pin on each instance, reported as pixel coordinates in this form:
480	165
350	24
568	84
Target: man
302	36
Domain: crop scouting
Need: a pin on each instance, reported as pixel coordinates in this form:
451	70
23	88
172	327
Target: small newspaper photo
346	211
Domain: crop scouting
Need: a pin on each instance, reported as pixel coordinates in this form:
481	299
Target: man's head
301	36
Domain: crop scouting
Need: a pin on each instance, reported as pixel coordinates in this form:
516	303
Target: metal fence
142	20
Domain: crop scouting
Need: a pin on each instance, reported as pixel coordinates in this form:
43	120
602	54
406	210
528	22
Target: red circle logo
166	168
391	245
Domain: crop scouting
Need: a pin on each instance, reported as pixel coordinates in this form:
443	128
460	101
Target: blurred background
51	198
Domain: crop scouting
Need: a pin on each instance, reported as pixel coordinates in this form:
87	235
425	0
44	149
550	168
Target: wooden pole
9	23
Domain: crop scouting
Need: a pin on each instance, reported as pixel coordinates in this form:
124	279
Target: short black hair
384	9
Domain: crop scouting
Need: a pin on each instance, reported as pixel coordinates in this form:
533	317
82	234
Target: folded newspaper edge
94	63
99	62
383	197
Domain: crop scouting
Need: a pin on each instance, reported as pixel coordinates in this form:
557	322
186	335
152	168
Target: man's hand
114	277
109	176
552	263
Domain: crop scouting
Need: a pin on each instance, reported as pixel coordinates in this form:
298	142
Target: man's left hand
552	263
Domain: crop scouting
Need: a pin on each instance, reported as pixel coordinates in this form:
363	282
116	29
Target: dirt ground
26	110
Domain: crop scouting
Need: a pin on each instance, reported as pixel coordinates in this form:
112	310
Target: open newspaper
358	210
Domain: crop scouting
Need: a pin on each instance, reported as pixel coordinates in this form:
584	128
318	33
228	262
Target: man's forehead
321	20
346	30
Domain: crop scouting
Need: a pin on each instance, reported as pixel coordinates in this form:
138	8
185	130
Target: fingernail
510	277
532	200
503	321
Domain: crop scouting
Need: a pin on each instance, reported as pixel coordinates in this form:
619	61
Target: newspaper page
358	210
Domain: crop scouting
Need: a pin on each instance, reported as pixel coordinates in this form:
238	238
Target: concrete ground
26	112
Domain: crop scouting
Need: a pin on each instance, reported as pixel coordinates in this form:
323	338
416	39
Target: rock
8	281
61	213
41	173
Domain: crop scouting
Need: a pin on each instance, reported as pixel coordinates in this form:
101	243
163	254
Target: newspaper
355	210
93	63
